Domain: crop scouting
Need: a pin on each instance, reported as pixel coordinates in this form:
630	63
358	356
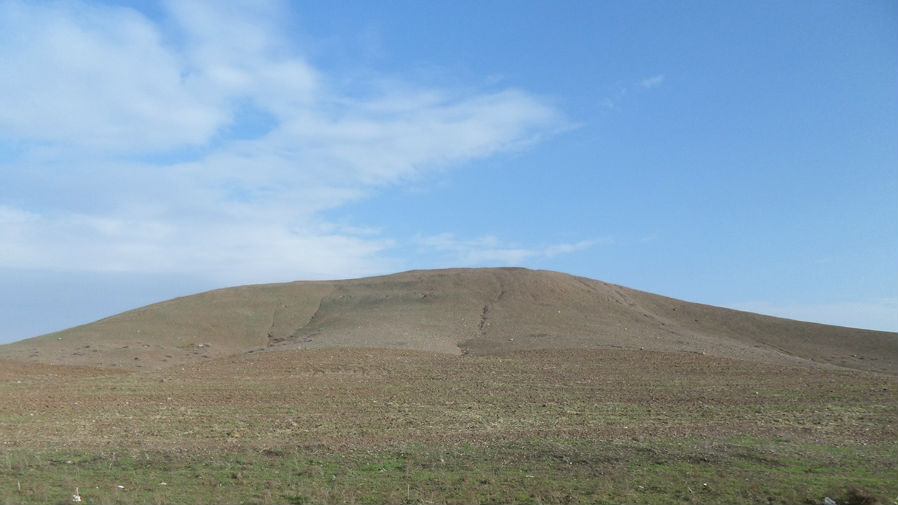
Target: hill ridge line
454	311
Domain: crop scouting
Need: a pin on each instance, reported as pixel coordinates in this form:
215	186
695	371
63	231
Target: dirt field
374	425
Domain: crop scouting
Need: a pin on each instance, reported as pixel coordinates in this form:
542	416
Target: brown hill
483	311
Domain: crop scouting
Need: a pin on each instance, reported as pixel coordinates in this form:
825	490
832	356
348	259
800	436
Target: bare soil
476	311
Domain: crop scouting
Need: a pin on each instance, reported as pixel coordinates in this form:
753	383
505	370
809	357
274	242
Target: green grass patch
367	427
733	470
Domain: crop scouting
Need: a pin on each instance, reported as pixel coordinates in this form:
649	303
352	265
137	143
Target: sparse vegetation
361	426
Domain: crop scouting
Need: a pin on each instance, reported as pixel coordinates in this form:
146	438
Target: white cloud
95	77
652	82
241	251
623	90
489	250
875	314
97	95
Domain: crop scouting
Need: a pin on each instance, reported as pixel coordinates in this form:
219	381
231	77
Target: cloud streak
490	250
651	82
140	130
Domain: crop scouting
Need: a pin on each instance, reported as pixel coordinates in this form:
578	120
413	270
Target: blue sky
742	154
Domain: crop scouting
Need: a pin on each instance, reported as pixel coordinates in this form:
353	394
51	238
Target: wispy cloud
651	82
92	77
133	151
489	250
623	89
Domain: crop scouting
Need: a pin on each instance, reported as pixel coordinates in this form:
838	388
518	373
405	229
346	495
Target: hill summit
456	311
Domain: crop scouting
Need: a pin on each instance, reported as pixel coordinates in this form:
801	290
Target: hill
456	311
449	386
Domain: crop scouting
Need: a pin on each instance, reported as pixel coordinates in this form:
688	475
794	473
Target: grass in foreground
384	426
532	471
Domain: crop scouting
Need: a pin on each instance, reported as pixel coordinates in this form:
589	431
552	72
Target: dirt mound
479	311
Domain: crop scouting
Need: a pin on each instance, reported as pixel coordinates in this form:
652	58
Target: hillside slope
482	311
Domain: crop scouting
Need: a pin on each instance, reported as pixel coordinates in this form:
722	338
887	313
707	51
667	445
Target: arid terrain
477	311
451	386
